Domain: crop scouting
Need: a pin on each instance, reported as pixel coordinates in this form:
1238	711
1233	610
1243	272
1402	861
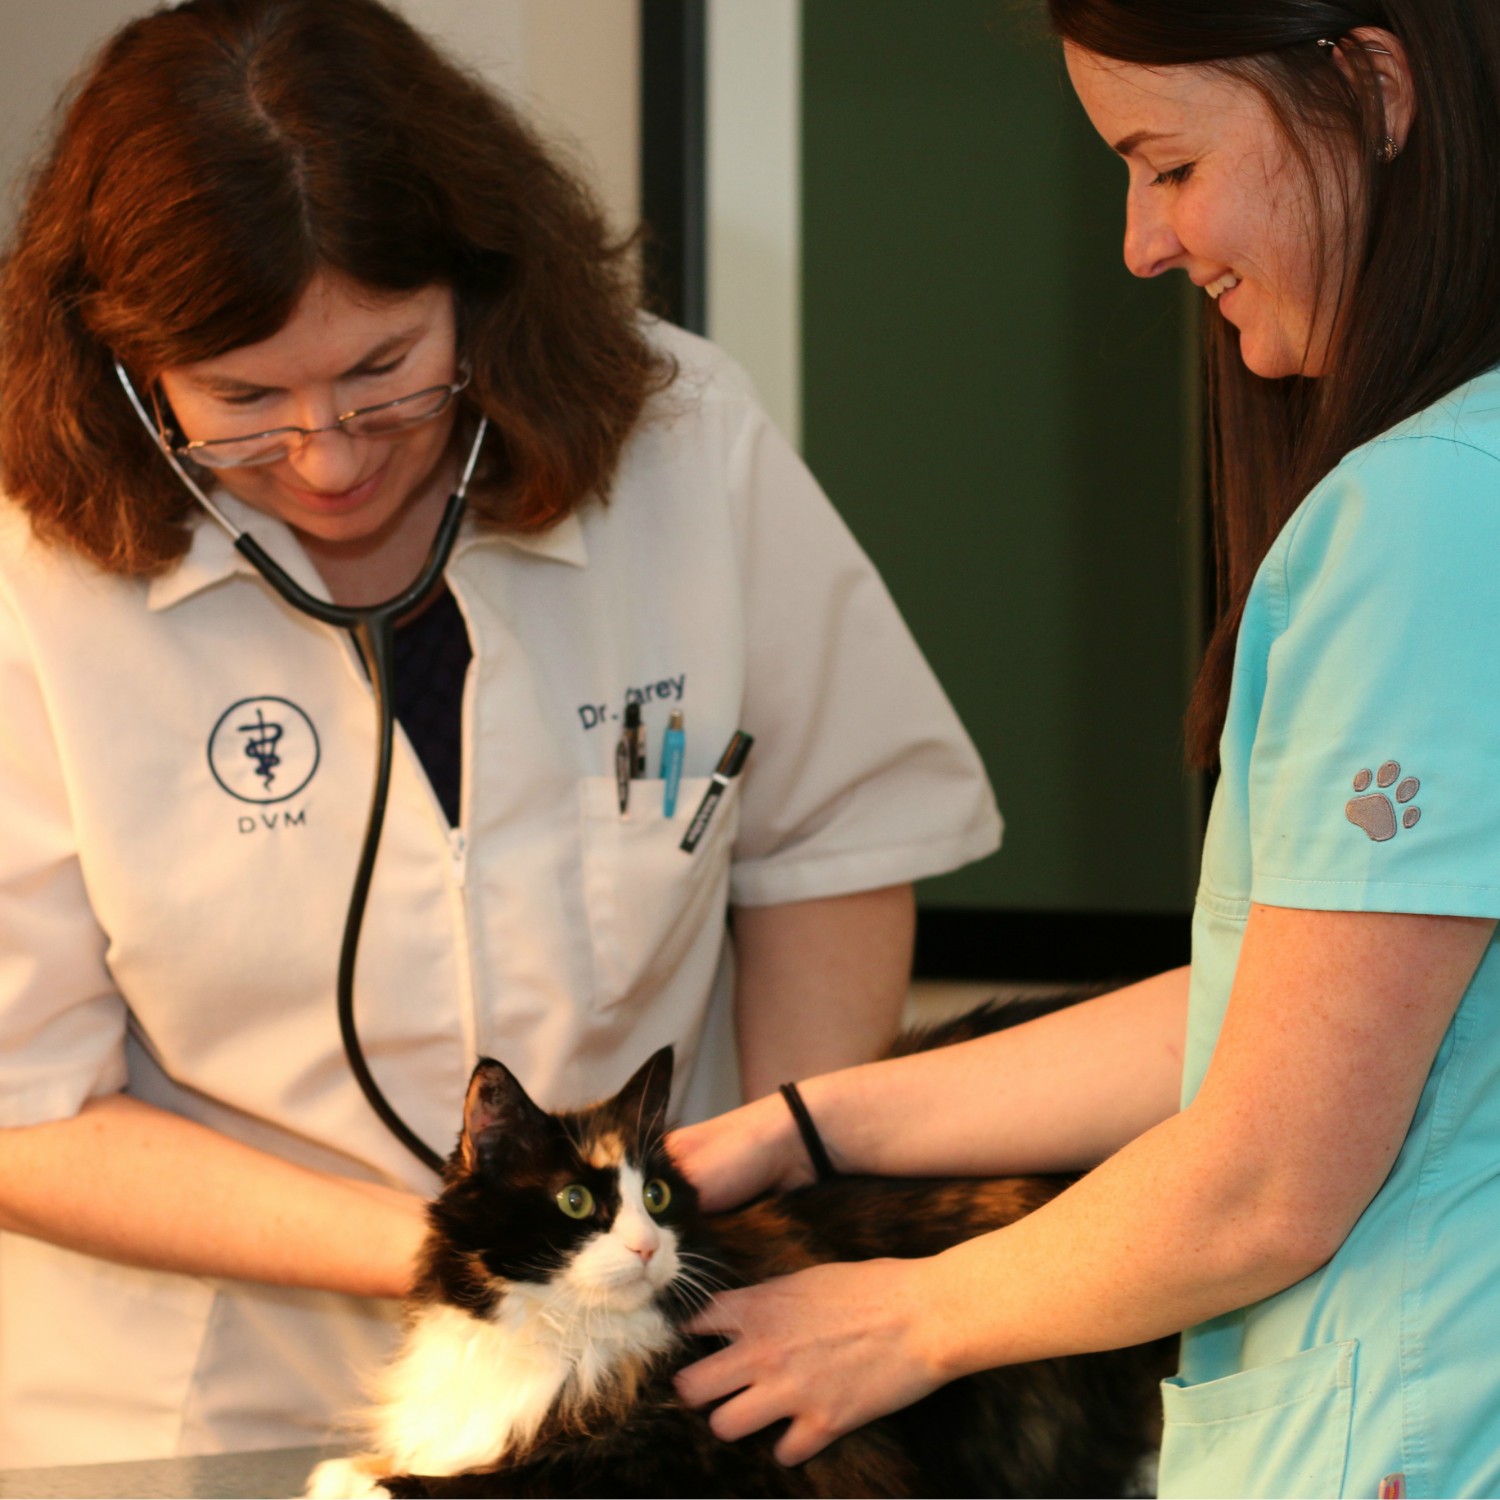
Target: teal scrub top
1361	772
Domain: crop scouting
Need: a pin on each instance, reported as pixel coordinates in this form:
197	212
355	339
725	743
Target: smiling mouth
1225	283
321	500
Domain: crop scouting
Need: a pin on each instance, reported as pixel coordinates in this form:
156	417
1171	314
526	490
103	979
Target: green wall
1002	414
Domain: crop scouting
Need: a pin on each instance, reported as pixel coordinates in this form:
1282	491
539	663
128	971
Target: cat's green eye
657	1195
576	1201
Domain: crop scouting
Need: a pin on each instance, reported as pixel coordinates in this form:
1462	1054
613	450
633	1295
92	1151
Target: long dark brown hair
220	154
1418	312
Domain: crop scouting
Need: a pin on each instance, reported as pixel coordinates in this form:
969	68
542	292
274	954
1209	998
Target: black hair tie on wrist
809	1132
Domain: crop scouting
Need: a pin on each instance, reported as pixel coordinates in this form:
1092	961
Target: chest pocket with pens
655	886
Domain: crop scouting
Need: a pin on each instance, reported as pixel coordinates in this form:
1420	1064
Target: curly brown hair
214	159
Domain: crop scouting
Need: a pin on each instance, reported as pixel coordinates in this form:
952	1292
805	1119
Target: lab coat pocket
1280	1429
650	901
97	1360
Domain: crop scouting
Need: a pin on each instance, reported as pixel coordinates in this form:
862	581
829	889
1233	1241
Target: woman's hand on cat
735	1156
829	1349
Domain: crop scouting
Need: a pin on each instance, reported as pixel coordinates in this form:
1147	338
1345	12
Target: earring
1389	150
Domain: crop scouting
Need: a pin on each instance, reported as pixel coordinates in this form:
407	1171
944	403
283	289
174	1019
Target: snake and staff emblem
261	746
263	750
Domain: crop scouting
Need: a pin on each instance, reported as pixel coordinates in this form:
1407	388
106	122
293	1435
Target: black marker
638	739
730	764
625	755
634	736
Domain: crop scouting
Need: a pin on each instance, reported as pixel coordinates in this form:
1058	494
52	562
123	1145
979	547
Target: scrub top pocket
1284	1428
648	900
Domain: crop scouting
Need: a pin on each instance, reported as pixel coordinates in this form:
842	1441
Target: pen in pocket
624	765
673	747
730	765
630	753
637	727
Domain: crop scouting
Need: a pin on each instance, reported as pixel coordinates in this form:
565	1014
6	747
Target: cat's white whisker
700	1285
701	1279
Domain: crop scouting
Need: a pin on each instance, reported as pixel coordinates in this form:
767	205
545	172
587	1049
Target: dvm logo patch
263	750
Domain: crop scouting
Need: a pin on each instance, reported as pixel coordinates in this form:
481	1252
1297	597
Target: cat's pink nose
645	1252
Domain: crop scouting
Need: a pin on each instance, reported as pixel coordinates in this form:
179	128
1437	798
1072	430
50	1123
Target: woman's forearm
1056	1094
1158	1237
1322	1056
128	1182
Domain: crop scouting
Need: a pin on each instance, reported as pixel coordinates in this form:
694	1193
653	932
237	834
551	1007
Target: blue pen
673	744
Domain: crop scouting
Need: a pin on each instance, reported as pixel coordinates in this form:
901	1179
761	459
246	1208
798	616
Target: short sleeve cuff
786	878
1432	899
45	1101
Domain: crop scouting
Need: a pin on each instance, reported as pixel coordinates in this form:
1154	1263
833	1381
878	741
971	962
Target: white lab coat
171	895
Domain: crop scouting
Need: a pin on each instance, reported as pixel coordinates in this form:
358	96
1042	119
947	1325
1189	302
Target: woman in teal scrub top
1296	1144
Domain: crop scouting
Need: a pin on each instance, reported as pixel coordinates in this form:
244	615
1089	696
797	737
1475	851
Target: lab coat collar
212	557
561	542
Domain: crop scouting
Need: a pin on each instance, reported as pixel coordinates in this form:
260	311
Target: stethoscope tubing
373	627
375	639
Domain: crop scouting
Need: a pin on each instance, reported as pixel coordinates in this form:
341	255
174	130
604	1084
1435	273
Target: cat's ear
642	1104
496	1109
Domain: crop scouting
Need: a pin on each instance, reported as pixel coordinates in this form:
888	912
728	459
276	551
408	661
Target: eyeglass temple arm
171	457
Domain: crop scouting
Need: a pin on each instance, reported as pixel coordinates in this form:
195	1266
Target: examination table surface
276	1472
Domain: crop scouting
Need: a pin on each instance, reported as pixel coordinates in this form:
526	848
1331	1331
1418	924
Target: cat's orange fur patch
606	1150
481	1273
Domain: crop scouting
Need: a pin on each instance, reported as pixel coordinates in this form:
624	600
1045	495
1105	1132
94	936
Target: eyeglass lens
377	421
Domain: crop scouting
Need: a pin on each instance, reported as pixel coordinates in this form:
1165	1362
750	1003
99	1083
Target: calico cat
566	1251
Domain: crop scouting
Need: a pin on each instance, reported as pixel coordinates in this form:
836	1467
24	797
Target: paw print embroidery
1374	812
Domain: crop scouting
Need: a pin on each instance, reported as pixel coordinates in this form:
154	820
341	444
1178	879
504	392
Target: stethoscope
373	627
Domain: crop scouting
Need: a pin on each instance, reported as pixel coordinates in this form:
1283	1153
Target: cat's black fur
1074	1426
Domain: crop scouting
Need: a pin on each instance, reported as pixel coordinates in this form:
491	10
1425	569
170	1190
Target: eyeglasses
383	420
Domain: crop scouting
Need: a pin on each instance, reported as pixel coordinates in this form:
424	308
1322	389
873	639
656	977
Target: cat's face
586	1205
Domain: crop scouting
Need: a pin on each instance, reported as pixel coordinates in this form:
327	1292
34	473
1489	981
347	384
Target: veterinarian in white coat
203	1218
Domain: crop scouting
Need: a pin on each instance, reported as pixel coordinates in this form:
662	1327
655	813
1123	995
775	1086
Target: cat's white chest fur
464	1391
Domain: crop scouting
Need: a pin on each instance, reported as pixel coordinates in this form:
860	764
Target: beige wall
574	65
583	64
754	196
41	44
